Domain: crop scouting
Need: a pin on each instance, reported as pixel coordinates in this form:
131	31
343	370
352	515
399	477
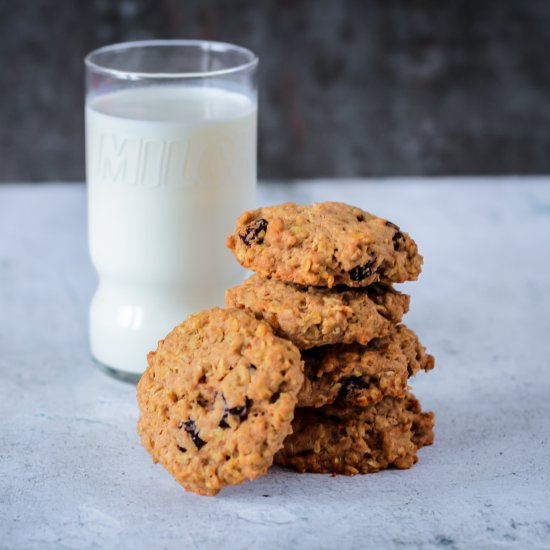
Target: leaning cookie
316	316
357	441
363	375
218	398
324	244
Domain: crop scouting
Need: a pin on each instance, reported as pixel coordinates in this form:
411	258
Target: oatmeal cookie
324	244
218	398
363	375
316	316
350	441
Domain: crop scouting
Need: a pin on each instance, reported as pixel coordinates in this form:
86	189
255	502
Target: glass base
124	376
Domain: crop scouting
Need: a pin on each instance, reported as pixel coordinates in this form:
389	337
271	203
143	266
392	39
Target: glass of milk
170	164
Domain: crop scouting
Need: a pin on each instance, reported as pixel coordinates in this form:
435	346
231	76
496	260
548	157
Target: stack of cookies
324	276
307	366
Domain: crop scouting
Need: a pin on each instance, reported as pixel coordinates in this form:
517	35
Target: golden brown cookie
218	398
363	375
351	441
324	244
316	316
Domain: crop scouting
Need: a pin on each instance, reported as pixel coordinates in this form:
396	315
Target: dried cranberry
352	383
240	411
397	239
275	397
397	236
255	232
223	422
360	272
191	428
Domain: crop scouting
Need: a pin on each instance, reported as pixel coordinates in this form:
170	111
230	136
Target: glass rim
205	44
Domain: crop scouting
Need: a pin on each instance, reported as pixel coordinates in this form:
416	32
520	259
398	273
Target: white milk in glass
169	169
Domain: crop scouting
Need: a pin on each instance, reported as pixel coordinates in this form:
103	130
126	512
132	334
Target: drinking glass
170	164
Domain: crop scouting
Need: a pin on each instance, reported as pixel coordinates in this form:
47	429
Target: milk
169	169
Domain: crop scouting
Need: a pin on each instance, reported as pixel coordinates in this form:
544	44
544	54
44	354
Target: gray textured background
348	88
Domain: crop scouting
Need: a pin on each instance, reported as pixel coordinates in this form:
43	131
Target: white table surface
74	475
